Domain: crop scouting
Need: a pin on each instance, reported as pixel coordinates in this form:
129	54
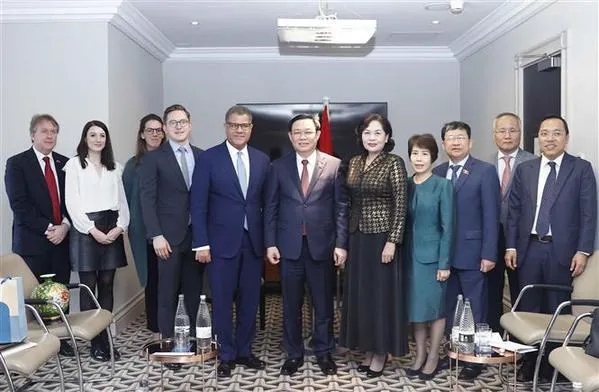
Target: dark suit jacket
218	207
521	156
30	201
324	210
164	194
477	202
573	216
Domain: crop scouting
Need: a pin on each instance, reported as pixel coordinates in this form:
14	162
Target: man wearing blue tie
226	214
477	198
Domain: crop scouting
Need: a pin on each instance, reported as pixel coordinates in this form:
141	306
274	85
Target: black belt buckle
546	239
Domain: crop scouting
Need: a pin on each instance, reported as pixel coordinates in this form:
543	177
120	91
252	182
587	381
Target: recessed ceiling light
195	22
435	22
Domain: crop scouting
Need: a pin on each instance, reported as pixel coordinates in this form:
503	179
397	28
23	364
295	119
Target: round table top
162	351
496	357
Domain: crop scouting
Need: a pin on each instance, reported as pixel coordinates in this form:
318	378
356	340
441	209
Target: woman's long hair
106	155
141	146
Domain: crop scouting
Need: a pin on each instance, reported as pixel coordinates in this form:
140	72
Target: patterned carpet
132	368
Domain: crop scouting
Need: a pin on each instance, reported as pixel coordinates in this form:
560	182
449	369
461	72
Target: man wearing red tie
35	188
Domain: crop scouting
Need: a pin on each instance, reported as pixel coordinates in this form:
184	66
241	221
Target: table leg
515	371
161	376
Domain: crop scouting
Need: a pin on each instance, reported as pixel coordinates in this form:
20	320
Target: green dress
429	239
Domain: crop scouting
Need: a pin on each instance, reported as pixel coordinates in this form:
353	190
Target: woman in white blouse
95	200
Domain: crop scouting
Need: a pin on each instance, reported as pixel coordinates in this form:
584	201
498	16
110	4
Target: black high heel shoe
429	376
372	373
415	372
363	368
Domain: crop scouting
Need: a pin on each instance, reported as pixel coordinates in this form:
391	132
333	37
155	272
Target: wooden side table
497	358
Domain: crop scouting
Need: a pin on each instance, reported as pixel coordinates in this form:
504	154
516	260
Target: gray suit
497	275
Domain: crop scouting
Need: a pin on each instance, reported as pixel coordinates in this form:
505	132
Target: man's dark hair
454	125
304	116
556	117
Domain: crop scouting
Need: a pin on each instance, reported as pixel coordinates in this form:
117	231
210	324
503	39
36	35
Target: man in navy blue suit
477	198
305	228
226	211
552	219
34	182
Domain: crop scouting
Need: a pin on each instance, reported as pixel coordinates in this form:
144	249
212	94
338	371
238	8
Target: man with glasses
507	137
226	210
552	220
476	189
165	178
305	226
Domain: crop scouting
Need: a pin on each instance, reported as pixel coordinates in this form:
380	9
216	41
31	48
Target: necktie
454	173
507	174
243	182
304	180
542	227
51	182
184	168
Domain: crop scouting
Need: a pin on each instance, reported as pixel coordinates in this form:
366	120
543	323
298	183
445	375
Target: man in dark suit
228	234
551	221
165	179
305	225
477	202
34	182
507	136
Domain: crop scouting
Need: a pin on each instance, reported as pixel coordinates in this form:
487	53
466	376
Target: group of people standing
409	244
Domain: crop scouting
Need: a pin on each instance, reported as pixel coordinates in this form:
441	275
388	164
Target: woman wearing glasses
149	136
95	200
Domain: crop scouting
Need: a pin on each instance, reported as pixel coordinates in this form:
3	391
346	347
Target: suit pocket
473	235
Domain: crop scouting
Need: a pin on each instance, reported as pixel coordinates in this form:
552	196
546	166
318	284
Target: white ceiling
252	23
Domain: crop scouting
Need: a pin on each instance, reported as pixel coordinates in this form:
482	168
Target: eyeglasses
555	133
154	131
235	126
182	123
503	131
459	138
307	134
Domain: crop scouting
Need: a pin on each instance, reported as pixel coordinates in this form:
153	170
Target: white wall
421	95
134	90
488	82
57	68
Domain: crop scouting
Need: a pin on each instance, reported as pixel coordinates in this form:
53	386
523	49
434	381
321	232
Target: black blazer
30	202
164	194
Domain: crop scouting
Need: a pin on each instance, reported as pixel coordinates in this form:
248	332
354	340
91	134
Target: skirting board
128	313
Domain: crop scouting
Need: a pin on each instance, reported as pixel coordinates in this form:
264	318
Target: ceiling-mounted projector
325	31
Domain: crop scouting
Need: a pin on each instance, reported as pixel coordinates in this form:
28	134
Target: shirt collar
311	158
233	151
175	146
460	163
500	155
558	160
41	156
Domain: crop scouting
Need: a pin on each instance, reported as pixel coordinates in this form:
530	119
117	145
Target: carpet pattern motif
133	367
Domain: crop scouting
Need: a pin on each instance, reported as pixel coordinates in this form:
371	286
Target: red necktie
507	174
51	182
304	184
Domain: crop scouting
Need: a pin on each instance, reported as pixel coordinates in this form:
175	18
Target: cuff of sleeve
205	247
512	249
66	222
584	253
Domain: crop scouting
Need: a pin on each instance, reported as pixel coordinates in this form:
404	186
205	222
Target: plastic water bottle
466	339
455	327
576	386
143	386
181	327
203	325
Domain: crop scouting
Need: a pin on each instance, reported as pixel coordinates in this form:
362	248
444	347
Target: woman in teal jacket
429	241
149	136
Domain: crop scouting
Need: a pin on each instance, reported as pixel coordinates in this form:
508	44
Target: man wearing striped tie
226	214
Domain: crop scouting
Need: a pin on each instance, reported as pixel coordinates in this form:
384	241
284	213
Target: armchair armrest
37	317
85	288
539	286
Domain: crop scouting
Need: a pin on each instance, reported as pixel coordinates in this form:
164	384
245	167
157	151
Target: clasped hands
106	238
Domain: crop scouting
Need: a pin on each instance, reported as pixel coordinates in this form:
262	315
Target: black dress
374	308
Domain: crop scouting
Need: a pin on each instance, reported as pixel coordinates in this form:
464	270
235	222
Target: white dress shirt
501	163
311	165
87	190
459	172
544	171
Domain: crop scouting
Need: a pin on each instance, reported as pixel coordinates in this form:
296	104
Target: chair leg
60	372
553	380
7	373
77	359
111	343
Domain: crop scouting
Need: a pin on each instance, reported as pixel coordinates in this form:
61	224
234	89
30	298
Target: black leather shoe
224	368
363	368
66	349
326	364
251	362
443	363
100	355
173	366
470	372
291	366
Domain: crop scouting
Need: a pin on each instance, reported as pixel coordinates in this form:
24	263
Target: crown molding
274	53
503	19
120	13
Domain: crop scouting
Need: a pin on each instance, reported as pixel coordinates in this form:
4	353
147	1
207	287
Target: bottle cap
203	297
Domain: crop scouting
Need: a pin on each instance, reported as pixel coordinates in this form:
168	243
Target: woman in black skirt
374	314
95	200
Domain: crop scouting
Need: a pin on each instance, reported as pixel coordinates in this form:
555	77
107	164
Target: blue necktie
542	227
454	173
243	182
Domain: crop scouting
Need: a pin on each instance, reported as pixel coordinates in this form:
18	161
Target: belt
546	239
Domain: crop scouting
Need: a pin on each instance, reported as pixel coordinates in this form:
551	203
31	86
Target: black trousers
55	261
151	291
179	273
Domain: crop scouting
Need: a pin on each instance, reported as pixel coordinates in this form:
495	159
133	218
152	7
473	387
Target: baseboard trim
128	312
